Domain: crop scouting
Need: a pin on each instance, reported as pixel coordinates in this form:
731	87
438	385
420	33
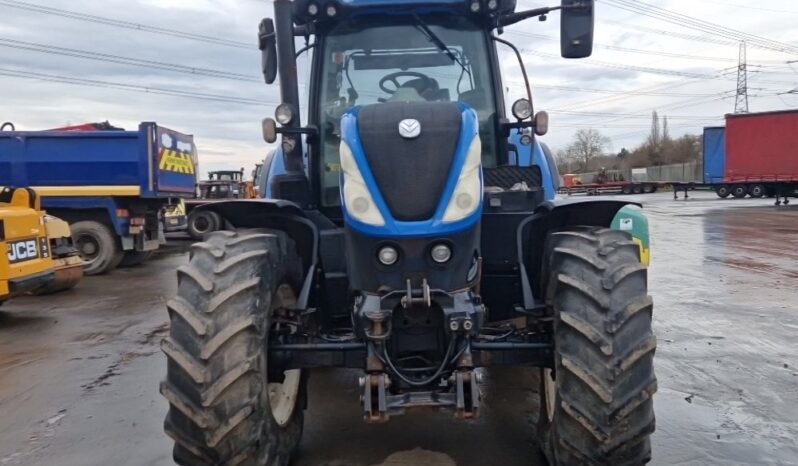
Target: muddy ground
79	371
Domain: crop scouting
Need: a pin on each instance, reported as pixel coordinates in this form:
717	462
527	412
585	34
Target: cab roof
326	11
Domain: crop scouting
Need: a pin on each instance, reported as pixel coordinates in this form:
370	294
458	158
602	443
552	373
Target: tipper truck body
110	186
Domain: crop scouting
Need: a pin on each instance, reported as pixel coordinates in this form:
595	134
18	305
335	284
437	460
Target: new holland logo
409	128
173	161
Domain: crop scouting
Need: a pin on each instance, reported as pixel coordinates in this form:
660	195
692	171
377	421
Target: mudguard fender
272	213
551	216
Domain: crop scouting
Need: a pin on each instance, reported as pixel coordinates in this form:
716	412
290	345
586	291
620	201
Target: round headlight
526	139
441	253
492	4
313	9
360	205
522	109
331	11
475	7
388	255
464	201
284	114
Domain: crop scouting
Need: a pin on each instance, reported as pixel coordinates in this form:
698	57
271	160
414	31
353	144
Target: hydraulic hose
427	381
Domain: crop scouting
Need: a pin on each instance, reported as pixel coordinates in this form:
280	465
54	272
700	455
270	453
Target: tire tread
604	350
215	385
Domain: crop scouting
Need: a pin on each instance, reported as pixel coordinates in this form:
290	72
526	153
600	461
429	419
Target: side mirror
269	127
267	43
576	28
541	123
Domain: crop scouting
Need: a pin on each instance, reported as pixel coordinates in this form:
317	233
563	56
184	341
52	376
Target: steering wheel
394	78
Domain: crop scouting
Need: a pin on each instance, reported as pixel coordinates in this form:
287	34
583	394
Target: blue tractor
410	231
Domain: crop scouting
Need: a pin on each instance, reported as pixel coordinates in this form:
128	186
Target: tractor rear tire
637	189
134	258
224	407
202	222
596	404
97	246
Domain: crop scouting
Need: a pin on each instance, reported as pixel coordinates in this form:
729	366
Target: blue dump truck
111	186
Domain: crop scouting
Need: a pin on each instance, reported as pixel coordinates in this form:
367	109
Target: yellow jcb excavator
40	256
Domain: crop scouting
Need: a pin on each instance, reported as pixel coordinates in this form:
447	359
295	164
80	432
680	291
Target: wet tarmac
79	371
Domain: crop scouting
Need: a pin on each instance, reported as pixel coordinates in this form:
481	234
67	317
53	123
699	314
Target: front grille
411	174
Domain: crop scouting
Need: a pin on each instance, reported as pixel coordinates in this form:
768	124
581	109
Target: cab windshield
441	59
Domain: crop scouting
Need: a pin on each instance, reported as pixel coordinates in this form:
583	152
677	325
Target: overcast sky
640	64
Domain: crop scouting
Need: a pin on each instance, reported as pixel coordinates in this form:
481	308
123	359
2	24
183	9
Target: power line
747	7
629	49
131	87
689	22
124	24
612	92
629	115
109	58
620	66
711	39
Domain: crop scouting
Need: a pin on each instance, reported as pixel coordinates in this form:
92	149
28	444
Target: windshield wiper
437	41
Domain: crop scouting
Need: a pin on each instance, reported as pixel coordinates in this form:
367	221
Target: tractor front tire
223	407
596	403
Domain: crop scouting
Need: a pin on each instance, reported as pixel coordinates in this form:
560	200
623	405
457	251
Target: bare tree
656	136
586	145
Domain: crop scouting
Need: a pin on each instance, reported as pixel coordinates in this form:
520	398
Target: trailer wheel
756	191
134	258
739	191
202	222
596	401
97	246
648	188
226	405
723	191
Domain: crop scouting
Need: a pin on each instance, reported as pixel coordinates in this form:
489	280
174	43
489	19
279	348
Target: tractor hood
411	168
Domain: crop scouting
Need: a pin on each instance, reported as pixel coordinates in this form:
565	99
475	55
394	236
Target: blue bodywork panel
714	155
531	155
398	229
161	162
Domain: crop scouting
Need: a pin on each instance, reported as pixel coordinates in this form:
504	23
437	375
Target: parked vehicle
411	231
110	185
755	154
39	254
220	185
608	183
